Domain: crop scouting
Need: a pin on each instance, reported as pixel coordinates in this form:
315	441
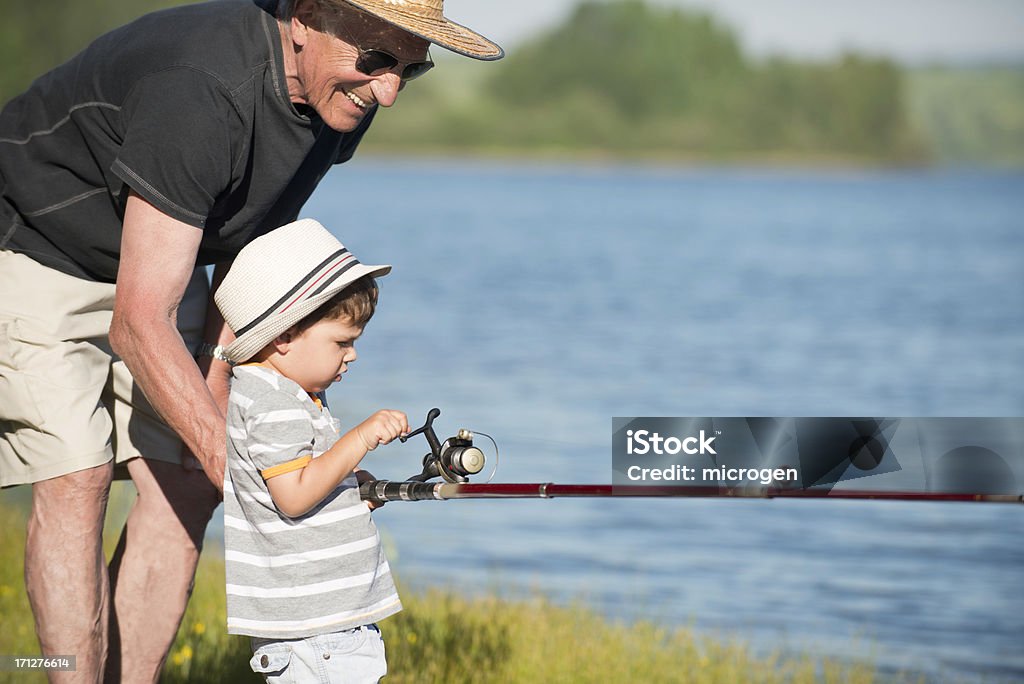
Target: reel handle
427	428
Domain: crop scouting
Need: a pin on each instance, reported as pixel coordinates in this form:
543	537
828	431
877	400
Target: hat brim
444	33
252	341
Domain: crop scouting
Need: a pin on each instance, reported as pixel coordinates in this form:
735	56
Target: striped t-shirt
294	577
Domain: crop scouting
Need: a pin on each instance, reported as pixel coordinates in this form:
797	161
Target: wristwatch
215	351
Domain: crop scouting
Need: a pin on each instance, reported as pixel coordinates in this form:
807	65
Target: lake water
536	302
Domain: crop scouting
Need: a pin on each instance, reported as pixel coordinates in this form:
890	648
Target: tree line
627	78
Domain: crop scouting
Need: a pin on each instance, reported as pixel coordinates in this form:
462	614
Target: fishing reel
454	460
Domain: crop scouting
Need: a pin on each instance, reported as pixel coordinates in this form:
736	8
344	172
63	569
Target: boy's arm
298	491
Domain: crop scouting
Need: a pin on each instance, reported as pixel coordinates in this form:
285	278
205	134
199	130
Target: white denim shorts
353	656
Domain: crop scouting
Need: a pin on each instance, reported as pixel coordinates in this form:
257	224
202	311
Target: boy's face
320	354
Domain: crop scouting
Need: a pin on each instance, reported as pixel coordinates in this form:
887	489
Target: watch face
218	353
213	351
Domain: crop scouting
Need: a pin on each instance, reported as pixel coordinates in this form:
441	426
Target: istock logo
643	442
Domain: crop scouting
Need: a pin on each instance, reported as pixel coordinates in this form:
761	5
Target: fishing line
556	442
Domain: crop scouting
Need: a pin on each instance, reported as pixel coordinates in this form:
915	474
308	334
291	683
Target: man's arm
158	256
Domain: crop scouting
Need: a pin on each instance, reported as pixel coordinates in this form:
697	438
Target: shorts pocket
18	393
271	660
356	657
343	643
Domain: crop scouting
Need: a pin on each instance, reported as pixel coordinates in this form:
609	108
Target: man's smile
356	99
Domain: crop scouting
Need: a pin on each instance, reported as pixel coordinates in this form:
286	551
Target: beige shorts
67	403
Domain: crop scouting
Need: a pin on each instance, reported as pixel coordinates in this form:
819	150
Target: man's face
328	79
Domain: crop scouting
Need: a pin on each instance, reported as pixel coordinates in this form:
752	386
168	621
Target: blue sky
911	31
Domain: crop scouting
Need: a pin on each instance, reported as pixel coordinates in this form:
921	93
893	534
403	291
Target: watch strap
214	351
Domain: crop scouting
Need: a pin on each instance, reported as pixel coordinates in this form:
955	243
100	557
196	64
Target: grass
445	637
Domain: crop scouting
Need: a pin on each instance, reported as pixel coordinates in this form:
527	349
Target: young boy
306	576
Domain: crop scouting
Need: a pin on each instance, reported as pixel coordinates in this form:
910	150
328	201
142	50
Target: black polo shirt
189	108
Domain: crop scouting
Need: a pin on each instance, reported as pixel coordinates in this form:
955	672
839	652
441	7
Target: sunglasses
377	62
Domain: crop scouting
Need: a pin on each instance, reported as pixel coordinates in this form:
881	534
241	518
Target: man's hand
218	379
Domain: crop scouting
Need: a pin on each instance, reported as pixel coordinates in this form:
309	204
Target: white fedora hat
280	278
425	18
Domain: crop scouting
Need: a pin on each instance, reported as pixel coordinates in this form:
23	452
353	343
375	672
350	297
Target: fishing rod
381	491
456	459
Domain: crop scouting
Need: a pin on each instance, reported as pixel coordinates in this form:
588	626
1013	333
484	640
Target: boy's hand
382	427
366	476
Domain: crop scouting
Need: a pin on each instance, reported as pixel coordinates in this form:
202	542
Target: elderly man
165	146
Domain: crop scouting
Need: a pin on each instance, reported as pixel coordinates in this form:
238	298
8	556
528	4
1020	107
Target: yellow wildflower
182	655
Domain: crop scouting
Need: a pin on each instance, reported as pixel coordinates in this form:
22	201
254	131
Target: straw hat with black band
425	18
280	278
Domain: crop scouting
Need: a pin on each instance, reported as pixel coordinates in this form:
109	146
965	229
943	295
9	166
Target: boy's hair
357	302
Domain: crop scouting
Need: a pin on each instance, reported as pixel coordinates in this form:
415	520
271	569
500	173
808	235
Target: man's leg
65	572
152	570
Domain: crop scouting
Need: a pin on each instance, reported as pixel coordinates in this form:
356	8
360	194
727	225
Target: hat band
315	282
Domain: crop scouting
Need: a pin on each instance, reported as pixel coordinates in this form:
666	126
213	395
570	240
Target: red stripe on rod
549	490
